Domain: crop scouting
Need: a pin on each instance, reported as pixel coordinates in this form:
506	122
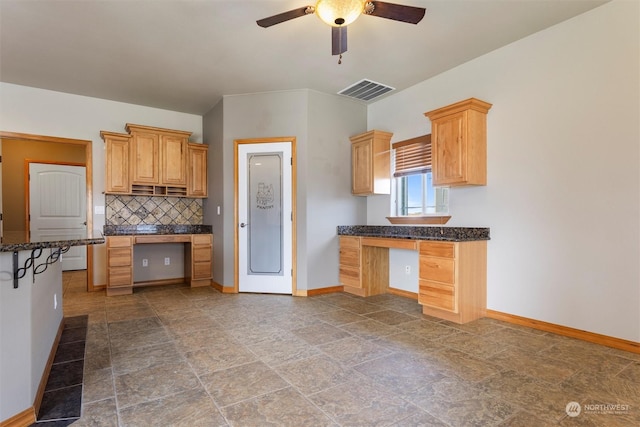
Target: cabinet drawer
118	242
438	249
119	257
350	257
201	239
202	270
438	295
437	269
349	242
202	254
350	276
119	276
168	238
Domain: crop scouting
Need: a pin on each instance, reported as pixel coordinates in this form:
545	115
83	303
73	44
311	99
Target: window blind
412	156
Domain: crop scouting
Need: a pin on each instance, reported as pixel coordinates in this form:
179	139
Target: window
412	190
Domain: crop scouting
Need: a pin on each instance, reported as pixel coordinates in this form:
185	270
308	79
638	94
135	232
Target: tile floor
169	356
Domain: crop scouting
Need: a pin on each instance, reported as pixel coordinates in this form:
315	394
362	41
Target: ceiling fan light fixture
339	13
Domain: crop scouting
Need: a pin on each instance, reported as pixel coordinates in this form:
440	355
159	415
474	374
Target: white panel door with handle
58	208
265	218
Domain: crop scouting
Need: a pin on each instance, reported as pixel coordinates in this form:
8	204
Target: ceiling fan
340	13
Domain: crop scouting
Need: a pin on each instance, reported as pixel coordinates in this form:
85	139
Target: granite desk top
451	234
20	241
130	230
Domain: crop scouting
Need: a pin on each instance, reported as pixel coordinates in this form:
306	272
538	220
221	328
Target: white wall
563	193
28	326
42	112
213	135
332	120
321	125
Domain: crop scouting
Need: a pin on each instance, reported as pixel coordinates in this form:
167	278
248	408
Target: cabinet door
117	165
145	149
449	145
201	256
119	262
174	156
197	170
350	271
362	167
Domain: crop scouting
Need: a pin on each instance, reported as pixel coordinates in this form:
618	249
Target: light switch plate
98	210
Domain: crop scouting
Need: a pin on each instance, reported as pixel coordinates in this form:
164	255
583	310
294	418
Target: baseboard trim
21	419
403	293
47	368
322	291
619	343
300	293
224	289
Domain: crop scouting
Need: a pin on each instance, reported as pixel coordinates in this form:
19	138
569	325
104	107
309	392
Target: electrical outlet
145	262
407	269
167	261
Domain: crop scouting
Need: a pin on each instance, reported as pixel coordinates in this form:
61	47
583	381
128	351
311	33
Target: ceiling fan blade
285	16
338	40
397	12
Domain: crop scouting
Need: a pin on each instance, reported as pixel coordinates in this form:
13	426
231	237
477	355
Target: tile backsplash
147	210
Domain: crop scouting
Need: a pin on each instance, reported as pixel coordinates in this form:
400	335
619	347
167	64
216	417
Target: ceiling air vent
365	90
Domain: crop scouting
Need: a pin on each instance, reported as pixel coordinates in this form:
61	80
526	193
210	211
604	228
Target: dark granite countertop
129	230
20	241
452	234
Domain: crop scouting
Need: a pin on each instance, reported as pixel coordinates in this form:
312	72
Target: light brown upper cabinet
117	162
158	156
197	160
459	143
154	162
371	163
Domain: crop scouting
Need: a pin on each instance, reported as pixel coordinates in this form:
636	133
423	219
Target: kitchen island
31	318
452	266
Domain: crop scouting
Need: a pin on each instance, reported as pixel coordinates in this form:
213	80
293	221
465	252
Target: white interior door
265	217
58	208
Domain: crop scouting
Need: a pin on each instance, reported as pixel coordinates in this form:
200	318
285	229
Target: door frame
88	155
236	196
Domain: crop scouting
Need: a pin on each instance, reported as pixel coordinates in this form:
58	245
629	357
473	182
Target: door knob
243	225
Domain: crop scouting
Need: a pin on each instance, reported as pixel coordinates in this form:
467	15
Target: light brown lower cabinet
119	265
453	280
350	276
198	260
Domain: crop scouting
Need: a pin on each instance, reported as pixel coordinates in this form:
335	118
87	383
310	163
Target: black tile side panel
453	234
62	400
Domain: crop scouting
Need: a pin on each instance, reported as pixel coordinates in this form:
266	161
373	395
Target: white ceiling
185	55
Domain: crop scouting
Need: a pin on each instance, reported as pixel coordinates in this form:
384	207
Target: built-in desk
452	270
198	254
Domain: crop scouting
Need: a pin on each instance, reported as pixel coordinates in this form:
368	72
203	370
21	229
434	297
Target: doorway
265	215
56	196
56	142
